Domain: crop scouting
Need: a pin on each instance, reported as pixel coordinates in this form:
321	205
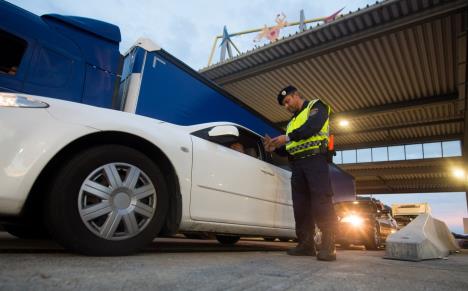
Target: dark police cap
285	92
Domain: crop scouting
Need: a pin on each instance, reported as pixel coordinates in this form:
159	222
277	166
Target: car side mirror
224	134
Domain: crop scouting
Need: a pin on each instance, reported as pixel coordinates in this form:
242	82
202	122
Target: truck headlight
13	100
353	219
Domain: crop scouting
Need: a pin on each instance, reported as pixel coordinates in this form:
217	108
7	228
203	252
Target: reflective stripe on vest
313	142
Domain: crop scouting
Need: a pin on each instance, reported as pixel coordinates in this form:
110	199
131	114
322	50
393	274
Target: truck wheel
373	242
227	239
107	200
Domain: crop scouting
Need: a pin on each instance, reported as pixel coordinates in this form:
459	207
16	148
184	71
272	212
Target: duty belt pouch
324	150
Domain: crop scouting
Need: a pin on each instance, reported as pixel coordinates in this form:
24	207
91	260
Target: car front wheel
107	200
373	242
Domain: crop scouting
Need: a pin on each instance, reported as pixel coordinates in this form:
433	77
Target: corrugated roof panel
412	53
313	39
359	23
373	94
441	55
314	87
395	9
343	28
321	36
334	66
414	5
409	61
335	32
386	65
404	7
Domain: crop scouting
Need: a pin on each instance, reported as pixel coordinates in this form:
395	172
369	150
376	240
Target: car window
11	52
247	142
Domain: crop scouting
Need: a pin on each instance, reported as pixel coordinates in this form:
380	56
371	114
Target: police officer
305	143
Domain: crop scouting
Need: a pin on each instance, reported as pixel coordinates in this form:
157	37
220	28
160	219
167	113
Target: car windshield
354	206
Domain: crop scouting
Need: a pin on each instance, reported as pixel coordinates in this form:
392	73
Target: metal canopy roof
396	70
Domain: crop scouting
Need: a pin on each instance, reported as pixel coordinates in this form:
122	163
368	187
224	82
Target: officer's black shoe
302	250
327	250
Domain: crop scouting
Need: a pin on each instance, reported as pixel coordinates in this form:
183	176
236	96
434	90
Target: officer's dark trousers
312	197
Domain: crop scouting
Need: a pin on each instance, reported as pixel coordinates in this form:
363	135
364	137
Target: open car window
247	142
252	145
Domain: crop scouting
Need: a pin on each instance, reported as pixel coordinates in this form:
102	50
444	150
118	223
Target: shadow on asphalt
11	244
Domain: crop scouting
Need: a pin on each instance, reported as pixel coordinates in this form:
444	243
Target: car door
284	215
230	186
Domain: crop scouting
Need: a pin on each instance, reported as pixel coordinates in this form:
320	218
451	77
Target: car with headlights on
106	182
365	222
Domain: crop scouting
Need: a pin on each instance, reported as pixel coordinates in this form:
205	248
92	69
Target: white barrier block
423	239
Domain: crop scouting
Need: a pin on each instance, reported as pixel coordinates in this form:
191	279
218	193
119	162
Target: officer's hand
279	140
267	145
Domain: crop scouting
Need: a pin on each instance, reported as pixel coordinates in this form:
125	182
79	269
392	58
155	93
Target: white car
105	182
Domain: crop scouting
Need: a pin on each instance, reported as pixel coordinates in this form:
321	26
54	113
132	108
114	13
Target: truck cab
66	57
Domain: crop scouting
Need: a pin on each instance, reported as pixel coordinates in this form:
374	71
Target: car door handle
266	171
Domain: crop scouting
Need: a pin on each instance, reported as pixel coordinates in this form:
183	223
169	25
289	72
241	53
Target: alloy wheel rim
117	201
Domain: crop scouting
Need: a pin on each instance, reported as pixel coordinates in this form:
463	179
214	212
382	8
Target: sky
186	29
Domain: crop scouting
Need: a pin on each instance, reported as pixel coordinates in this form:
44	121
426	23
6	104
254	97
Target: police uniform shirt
317	118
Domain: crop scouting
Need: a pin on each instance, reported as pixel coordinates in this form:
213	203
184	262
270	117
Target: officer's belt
309	153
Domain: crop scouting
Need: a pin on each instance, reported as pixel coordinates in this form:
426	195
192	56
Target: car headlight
12	100
353	219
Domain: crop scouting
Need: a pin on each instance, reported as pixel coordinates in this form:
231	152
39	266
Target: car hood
92	116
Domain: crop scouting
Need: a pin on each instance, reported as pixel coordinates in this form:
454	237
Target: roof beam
390	107
463	88
410	183
397	127
403	163
396	171
390	141
384	190
404	105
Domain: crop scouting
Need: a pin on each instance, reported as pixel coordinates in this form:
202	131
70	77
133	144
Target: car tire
227	239
107	200
373	242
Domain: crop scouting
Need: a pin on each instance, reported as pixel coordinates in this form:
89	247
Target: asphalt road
182	264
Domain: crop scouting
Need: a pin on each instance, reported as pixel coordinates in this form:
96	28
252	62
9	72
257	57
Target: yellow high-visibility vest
313	142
